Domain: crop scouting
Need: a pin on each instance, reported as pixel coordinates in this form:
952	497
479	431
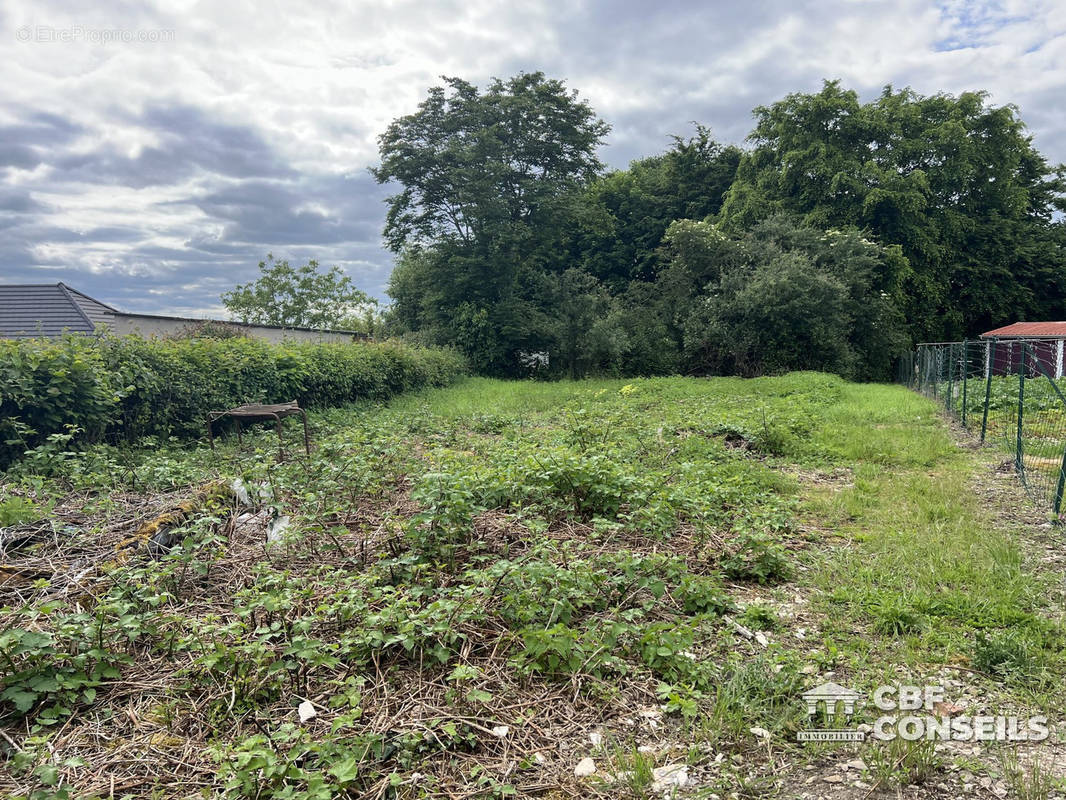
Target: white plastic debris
306	710
584	768
762	733
500	731
240	491
540	758
276	529
596	738
671	775
742	630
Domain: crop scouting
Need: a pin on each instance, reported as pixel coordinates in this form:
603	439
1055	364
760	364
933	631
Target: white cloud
156	174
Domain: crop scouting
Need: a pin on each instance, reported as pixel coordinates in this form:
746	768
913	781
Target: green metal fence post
990	365
965	351
1061	485
949	401
937	356
1021	413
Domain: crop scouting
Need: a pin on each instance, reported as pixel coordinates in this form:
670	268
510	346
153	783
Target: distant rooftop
28	310
51	309
1028	330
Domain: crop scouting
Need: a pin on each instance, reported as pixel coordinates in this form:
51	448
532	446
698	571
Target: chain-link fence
1010	392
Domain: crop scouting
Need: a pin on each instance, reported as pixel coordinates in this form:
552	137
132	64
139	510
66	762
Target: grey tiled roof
48	310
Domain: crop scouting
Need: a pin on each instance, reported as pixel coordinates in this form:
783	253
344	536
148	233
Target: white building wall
157	327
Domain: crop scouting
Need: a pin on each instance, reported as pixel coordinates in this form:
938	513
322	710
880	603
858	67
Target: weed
633	770
1026	782
756	557
903	763
1007	654
760	617
680	699
15	510
894	617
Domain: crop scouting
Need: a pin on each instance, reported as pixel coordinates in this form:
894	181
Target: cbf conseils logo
912	713
832	699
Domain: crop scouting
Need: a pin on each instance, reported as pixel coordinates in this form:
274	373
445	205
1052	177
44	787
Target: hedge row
126	387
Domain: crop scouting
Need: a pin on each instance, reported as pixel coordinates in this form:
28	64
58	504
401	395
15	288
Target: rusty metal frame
256	412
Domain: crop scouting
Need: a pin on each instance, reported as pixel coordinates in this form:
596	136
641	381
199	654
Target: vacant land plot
602	588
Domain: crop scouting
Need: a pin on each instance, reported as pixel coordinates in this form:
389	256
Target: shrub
1006	654
128	387
757	558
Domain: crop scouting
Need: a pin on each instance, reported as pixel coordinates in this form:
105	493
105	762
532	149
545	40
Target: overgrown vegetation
482	585
845	232
126	388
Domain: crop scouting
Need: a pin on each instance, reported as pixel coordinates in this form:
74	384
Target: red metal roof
1028	330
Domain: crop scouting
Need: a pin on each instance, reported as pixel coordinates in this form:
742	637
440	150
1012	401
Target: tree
954	181
787	296
583	337
634	207
472	162
782	314
303	297
485	179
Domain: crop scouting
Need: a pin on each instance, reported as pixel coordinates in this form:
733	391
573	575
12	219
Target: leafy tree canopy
843	231
303	297
472	163
487	181
954	181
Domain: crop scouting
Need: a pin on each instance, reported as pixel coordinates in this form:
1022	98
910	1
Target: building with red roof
1044	340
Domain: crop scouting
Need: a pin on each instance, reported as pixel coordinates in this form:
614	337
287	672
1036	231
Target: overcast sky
152	155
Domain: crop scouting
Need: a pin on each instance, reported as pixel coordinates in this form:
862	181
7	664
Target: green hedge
126	387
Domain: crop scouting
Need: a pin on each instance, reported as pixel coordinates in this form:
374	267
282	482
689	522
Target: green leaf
478	696
22	699
345	771
48	774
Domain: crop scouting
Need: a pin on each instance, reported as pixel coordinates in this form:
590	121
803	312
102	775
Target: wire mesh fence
1011	393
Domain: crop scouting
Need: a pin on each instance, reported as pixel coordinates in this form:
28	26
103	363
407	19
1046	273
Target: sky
152	154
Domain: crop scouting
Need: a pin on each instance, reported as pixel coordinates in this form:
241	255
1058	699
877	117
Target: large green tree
485	178
954	181
628	211
304	296
785	295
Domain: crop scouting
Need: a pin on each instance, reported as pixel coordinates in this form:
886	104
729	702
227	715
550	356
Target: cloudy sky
151	155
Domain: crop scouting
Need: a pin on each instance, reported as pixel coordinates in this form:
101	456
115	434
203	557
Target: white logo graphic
939	722
833	697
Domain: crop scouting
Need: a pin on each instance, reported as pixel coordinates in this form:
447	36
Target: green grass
529	555
930	568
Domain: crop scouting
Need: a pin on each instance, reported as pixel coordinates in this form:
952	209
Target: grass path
937	571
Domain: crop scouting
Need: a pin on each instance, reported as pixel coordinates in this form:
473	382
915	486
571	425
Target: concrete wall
158	327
